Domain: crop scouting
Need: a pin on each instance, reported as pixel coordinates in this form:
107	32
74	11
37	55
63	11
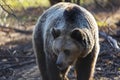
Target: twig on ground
9	56
20	64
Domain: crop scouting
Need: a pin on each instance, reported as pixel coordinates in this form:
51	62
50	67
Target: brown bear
66	35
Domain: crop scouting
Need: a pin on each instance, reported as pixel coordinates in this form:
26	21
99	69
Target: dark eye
57	51
67	52
56	33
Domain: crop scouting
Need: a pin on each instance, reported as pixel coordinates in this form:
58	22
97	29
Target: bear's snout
59	64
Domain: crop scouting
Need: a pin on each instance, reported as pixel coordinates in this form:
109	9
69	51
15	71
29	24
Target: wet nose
59	65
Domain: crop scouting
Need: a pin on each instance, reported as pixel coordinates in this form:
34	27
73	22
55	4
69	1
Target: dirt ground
17	59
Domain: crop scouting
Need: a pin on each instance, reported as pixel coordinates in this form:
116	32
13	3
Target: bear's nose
59	65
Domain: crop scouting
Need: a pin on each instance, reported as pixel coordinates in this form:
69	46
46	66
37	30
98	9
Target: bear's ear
55	33
78	35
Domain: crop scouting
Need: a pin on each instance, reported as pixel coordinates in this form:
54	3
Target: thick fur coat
66	34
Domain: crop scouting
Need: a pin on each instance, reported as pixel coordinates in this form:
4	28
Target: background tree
52	2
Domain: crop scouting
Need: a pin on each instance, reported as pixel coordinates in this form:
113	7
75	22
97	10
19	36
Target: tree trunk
67	0
78	2
52	2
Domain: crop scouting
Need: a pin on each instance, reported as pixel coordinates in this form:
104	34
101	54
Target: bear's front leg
85	67
52	70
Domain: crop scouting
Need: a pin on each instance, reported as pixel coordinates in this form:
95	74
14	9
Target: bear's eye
66	52
57	51
56	33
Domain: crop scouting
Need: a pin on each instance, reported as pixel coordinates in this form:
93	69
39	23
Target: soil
17	58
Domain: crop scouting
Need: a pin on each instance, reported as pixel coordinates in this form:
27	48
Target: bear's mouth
62	68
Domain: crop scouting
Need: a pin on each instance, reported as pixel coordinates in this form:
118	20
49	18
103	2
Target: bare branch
10	13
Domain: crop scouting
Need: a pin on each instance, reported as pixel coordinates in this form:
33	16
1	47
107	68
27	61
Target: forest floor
17	59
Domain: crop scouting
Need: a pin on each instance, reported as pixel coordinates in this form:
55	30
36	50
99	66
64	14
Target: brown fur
66	34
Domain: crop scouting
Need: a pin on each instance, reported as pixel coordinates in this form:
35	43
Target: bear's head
68	47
